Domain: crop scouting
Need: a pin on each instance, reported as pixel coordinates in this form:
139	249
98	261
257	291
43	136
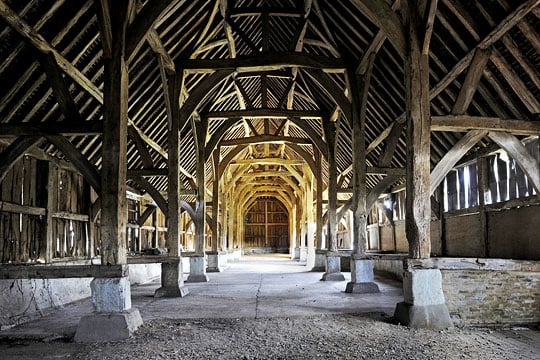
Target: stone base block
303	254
111	295
320	259
194	278
102	327
335	276
197	269
217	262
362	288
171	292
423	316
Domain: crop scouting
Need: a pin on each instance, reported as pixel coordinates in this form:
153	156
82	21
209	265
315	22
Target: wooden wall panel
515	233
463	235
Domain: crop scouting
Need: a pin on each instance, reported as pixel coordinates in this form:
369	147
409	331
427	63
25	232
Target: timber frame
208	106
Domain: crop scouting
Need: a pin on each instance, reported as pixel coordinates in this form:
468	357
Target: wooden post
483	187
418	208
359	92
52	193
115	121
173	162
318	200
200	128
330	134
215	201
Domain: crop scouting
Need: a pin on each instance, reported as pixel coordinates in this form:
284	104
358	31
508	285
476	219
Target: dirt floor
344	336
267	309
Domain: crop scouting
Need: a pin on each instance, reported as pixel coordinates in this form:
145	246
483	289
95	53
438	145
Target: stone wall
479	290
24	300
492	297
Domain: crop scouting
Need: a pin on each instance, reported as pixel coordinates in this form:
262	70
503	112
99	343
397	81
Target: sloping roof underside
509	87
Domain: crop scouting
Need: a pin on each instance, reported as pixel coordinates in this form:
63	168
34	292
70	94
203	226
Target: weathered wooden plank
21	209
70	216
453	156
462	123
62	271
519	153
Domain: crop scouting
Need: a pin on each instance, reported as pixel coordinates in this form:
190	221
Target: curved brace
200	93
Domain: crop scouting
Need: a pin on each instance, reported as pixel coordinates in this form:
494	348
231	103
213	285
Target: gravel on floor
342	336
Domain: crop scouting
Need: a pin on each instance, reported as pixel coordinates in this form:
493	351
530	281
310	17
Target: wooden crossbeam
62	271
269	113
261	139
54	128
465	123
264	62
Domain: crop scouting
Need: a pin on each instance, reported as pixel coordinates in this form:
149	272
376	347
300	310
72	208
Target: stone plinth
172	280
197	269
111	294
217	261
333	268
303	253
320	261
362	279
424	304
104	327
114	319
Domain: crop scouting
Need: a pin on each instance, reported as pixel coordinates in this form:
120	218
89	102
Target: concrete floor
254	287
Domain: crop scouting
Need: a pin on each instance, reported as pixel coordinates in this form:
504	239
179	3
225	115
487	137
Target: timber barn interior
168	140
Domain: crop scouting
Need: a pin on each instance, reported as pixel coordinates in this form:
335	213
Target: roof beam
261	139
263	113
462	123
511	20
264	62
55	128
144	21
60	89
36	40
381	14
472	80
42	45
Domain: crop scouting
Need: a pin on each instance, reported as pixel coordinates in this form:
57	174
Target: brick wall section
492	297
